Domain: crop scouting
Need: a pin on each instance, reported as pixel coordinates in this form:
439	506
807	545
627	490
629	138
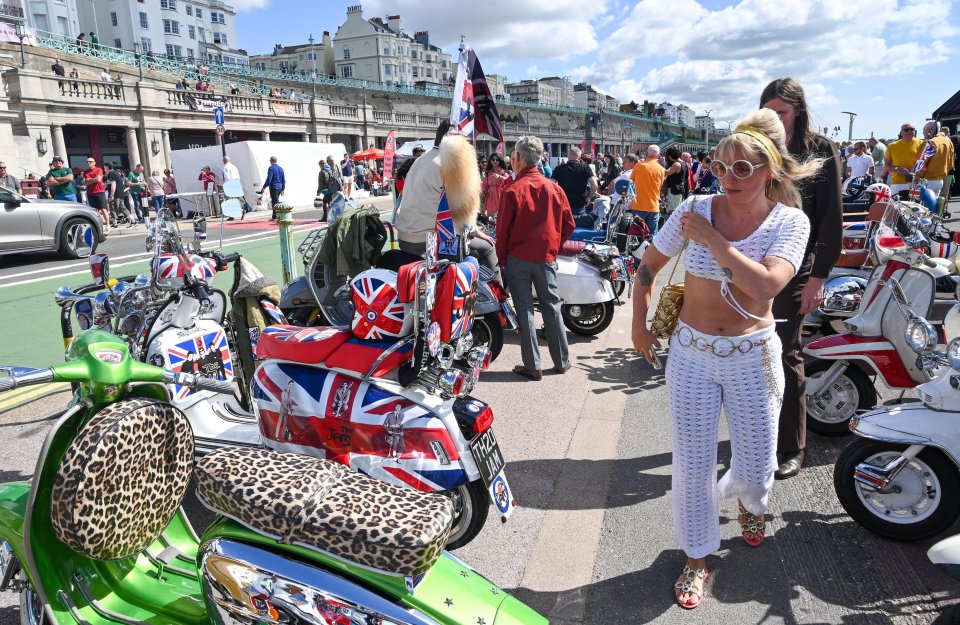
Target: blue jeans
138	205
157	202
69	197
652	219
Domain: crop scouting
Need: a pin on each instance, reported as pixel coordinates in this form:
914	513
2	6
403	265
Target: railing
91	89
382	117
405	118
349	112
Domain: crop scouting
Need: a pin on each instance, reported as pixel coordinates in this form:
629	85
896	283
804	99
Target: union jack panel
326	414
447	240
456	292
378	313
205	354
170	270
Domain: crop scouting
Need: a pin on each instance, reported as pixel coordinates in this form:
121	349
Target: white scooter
901	478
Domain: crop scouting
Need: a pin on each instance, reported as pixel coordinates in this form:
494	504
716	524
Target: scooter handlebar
20	376
197	382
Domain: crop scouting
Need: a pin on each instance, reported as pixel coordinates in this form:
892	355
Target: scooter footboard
13	510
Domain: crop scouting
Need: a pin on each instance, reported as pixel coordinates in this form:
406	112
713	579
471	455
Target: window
145	44
346	53
190	53
113	18
168	4
429	73
429	57
217	17
144	24
189	11
174	51
199	13
171	27
386	70
346	71
117	43
191	32
386	49
416	73
220	38
201	33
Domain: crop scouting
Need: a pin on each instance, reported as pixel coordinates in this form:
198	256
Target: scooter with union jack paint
388	395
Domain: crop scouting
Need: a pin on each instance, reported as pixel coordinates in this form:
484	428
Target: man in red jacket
533	222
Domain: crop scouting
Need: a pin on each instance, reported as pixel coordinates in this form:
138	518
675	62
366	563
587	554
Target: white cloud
533	71
249	5
536	30
721	59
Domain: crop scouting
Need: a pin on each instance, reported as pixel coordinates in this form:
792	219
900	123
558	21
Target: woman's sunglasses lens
718	169
742	169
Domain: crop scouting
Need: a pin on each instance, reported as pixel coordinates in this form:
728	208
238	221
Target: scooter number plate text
486	453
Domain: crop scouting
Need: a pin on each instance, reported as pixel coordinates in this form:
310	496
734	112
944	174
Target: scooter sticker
501	495
207	355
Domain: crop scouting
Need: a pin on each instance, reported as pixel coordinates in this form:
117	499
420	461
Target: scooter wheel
922	501
488	331
590	320
31	608
470	503
829	413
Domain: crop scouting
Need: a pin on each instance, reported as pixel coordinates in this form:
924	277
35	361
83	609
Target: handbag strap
682	249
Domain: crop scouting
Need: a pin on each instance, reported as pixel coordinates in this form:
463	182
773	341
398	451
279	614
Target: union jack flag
378	312
207	355
272	311
447	239
299	335
170	266
474	110
464	292
928	150
339	417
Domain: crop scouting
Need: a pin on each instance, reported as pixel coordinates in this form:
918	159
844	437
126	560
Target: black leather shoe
790	466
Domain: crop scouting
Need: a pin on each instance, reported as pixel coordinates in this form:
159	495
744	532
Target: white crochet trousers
742	374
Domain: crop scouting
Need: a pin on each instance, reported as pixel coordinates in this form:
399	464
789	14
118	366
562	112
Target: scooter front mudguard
877	353
911	424
13	510
946	555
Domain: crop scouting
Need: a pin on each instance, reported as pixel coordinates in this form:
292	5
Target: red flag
502	149
474	109
388	152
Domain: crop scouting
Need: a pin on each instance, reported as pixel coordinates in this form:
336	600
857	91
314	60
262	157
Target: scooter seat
358	355
572	248
310	346
852	258
323	505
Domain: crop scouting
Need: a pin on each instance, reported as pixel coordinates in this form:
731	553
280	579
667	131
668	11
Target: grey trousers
522	277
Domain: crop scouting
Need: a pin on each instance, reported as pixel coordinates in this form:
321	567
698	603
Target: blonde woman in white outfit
742	249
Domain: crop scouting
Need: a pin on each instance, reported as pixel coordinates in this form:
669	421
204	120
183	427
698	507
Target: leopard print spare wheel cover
123	478
325	505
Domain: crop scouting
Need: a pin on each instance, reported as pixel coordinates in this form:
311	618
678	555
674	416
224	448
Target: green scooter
99	536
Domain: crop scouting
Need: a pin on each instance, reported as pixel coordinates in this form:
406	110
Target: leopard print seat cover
122	478
327	506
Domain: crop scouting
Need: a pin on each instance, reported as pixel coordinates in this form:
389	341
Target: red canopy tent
368	154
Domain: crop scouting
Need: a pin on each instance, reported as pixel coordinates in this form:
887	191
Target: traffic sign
221	130
218	116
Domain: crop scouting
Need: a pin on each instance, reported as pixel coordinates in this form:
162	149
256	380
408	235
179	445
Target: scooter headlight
953	353
920	335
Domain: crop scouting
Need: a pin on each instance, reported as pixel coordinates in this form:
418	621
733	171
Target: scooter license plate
486	453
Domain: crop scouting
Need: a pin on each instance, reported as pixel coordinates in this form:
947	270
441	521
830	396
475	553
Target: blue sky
889	61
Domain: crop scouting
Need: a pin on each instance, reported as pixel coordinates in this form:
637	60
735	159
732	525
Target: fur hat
461	178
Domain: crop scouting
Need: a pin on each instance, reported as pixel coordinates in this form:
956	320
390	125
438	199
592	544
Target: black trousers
274	200
792	434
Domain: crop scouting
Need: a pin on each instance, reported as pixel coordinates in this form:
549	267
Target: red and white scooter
839	372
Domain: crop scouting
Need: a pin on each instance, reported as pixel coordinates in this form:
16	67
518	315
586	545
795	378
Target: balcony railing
91	90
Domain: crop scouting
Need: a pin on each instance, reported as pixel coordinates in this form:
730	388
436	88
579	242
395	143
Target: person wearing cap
60	179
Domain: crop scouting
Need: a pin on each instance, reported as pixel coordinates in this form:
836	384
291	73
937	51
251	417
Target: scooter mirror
232	207
233	188
100	269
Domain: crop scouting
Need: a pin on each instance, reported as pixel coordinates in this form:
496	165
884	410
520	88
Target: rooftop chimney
355	9
393	22
422	37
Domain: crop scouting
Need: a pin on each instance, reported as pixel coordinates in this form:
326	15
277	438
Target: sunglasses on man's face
908	130
741	169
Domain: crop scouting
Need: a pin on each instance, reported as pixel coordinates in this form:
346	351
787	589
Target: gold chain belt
722	346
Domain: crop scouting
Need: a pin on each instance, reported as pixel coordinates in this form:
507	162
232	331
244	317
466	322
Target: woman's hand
811	296
644	341
694	227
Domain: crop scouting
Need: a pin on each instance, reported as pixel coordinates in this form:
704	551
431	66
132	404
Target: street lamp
313	59
155	146
136	51
706	124
624	129
852	117
21	34
41	145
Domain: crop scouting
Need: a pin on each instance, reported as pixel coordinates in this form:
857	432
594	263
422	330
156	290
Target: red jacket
534	218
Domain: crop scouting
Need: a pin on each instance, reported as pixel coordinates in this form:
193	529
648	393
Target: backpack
333	184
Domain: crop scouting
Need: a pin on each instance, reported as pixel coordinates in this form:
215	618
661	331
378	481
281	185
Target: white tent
406	150
298	160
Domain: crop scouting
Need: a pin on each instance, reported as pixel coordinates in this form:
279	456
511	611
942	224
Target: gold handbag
667	315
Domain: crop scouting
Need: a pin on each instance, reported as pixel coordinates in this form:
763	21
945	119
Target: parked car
32	225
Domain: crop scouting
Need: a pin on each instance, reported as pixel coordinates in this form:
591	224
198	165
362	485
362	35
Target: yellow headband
763	139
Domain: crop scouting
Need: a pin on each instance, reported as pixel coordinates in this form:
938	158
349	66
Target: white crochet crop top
783	234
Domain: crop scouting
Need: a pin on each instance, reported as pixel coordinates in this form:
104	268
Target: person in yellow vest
902	155
936	169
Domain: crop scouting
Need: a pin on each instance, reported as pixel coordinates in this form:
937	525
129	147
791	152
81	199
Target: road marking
18	397
144	256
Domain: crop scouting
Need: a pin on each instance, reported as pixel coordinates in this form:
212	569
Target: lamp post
850	131
313	58
21	34
136	52
624	129
706	125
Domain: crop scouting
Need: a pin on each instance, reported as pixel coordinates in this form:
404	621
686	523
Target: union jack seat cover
170	269
456	292
379	315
